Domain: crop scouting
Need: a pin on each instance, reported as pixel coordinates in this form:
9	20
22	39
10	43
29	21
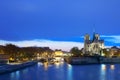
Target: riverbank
92	60
13	67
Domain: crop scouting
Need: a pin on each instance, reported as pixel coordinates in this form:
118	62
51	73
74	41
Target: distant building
114	51
114	48
65	53
58	55
93	46
4	58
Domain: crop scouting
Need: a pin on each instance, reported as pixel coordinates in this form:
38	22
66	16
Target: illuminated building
4	58
114	51
93	46
58	55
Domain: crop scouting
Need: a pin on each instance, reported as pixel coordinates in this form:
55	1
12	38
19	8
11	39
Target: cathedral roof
95	41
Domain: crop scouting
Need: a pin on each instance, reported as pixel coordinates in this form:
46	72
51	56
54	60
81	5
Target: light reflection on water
57	65
45	65
63	71
111	72
15	75
112	67
70	72
107	72
103	72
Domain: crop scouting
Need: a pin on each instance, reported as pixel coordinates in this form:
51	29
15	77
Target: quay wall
110	60
92	60
10	68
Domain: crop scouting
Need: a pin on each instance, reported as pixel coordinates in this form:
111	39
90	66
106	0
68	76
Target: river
64	71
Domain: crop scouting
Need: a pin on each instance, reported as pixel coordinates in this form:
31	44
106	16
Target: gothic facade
93	46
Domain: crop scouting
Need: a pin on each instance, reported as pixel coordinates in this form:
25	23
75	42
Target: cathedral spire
93	32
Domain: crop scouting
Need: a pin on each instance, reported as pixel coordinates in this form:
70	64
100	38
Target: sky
58	23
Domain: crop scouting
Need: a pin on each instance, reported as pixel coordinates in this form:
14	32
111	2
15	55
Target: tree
106	52
11	50
75	51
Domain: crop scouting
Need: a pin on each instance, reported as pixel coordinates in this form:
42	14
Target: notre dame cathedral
93	46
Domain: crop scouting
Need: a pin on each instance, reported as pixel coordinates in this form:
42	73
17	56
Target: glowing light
39	64
70	76
103	54
103	67
103	72
57	64
69	66
17	74
112	67
58	53
11	59
46	65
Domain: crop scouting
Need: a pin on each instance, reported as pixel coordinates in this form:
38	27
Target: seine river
63	71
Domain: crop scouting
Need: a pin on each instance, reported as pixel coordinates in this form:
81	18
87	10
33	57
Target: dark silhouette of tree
11	50
76	52
106	52
2	49
24	53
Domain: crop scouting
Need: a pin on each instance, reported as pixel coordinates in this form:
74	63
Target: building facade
93	46
58	55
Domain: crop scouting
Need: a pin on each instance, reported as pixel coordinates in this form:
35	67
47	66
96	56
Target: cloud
112	38
64	45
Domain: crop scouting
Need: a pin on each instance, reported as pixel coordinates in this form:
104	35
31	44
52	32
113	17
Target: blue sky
59	20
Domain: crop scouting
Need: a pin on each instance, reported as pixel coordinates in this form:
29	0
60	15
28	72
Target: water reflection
15	75
45	65
39	64
70	75
103	67
107	72
111	75
112	67
103	72
57	64
12	76
63	71
25	70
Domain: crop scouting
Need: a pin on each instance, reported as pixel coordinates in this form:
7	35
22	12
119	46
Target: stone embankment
92	60
13	67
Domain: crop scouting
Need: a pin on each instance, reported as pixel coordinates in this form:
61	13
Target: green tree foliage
22	53
75	51
12	50
106	52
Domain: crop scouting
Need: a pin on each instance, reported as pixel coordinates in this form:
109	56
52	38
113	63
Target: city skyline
52	23
65	45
